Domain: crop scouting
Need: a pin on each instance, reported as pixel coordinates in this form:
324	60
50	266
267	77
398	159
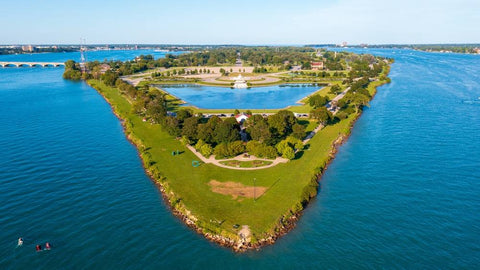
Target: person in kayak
47	246
38	248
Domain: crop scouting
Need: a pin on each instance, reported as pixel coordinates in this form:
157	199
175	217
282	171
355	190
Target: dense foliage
72	71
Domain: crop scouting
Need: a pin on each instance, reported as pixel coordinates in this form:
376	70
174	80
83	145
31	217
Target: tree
139	106
288	153
236	112
199	144
190	126
258	129
221	151
261	150
335	89
131	91
70	64
227	131
359	100
322	115
306	65
172	126
185	141
74	75
109	78
317	101
156	110
291	142
296	144
206	150
183	114
236	148
206	131
298	131
281	123
287	147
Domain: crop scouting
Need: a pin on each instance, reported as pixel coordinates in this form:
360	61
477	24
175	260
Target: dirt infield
236	189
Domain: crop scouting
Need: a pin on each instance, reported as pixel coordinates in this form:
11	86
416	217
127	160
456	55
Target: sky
250	22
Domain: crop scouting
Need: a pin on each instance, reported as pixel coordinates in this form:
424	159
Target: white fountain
240	82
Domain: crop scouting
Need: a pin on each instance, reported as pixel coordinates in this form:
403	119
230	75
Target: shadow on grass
299	155
303	122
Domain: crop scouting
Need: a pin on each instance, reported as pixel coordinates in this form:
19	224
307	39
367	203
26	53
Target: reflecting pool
267	97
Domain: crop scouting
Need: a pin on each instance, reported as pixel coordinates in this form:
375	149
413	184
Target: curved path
216	162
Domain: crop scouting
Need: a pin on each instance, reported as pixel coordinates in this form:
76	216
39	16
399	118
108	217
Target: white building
241	118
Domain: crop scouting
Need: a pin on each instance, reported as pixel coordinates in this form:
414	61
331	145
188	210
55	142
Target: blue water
403	192
121	55
267	97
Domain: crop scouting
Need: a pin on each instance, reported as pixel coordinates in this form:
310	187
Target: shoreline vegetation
442	48
248	209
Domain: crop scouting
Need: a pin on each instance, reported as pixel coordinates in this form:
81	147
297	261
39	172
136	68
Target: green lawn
246	164
188	187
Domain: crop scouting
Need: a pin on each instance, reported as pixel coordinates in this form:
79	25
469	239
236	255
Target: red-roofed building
241	118
317	65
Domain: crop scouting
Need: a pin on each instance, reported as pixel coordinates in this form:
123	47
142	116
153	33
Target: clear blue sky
240	22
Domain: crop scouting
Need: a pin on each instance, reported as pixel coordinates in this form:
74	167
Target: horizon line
236	44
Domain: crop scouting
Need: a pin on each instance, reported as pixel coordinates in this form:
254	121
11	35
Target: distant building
241	117
104	68
317	65
28	48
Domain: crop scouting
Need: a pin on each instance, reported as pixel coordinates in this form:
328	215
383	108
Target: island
240	176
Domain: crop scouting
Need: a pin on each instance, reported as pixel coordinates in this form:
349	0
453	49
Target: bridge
31	64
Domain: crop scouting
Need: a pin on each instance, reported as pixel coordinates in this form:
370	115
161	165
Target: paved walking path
216	162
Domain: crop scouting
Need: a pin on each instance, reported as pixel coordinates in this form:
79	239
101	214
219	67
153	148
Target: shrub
269	152
261	150
236	148
289	142
206	150
185	140
221	151
252	147
288	153
199	144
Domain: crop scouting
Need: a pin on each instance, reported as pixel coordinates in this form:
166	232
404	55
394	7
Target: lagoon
265	97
